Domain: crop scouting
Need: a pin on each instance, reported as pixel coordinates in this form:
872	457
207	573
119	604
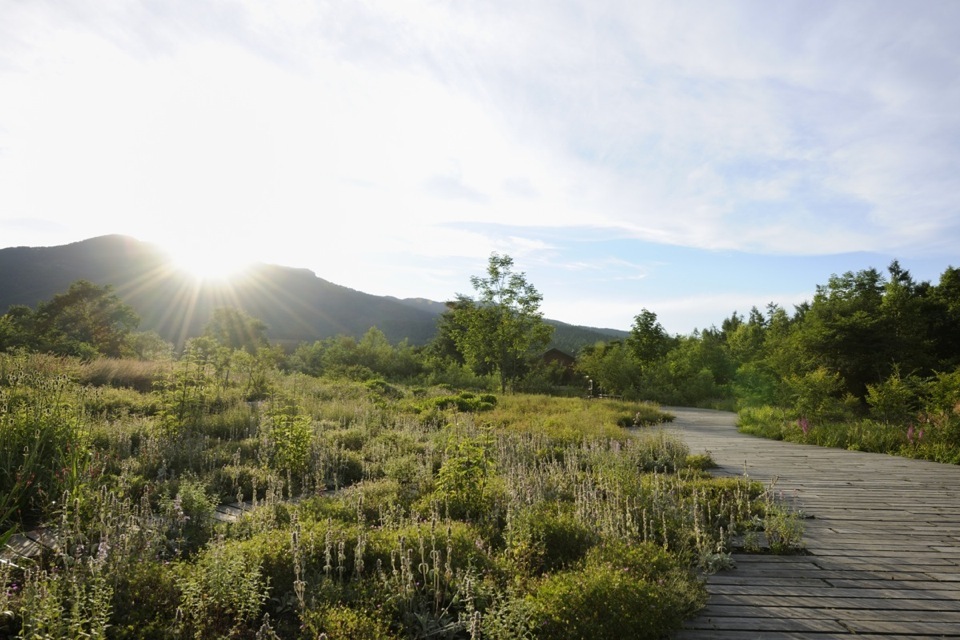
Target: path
884	543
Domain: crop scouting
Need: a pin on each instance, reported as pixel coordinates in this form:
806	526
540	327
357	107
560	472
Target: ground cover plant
373	509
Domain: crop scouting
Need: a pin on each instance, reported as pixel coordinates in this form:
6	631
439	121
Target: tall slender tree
502	328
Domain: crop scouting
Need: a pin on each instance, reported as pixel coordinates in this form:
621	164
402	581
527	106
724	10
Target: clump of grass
123	373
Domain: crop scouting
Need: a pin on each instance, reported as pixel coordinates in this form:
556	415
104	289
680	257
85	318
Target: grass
378	510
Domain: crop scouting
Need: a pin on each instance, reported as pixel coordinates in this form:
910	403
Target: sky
693	158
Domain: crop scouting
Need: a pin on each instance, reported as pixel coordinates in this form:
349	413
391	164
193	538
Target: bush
340	622
466	402
764	421
188	515
222	594
288	436
153	587
893	401
815	395
44	447
617	594
384	390
547	538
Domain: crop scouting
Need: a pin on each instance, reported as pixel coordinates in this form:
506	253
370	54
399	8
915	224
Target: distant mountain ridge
296	305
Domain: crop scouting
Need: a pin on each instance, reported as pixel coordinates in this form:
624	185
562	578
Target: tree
17	328
87	320
648	340
502	328
611	368
237	329
945	318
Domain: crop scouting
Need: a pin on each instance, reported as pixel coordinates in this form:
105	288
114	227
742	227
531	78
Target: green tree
16	328
149	345
237	329
87	320
648	340
503	328
611	368
845	330
944	319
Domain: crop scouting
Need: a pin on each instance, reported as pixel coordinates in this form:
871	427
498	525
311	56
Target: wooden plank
767	580
944	577
903	585
938	629
20	546
828	575
751	625
867	593
829	613
700	634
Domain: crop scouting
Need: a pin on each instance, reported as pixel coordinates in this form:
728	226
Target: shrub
764	421
657	451
188	515
465	402
700	462
350	439
44	447
547	538
383	389
339	622
463	476
347	468
815	395
618	593
288	436
893	401
222	594
154	588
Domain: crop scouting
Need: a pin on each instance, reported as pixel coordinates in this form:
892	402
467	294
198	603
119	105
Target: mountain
295	304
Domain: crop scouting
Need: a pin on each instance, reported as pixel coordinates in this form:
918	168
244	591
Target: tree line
868	344
493	338
860	330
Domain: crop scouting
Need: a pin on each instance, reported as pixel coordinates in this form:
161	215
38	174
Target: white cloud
348	137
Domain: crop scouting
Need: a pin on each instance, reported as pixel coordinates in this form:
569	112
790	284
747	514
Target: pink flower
910	434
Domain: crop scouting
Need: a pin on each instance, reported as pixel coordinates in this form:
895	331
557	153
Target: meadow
366	509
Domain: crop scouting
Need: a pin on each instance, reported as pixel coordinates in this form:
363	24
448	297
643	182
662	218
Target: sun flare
207	263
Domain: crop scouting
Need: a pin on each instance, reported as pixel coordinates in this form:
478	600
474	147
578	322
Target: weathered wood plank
938	629
819	625
831	593
900	615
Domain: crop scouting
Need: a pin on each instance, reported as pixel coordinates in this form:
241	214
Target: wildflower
102	550
910	434
804	425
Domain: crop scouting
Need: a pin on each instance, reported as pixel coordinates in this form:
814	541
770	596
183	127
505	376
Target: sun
209	262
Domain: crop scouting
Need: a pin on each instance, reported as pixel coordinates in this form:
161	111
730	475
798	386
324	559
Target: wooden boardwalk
883	542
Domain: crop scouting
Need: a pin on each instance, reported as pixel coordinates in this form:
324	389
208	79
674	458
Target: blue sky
692	158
